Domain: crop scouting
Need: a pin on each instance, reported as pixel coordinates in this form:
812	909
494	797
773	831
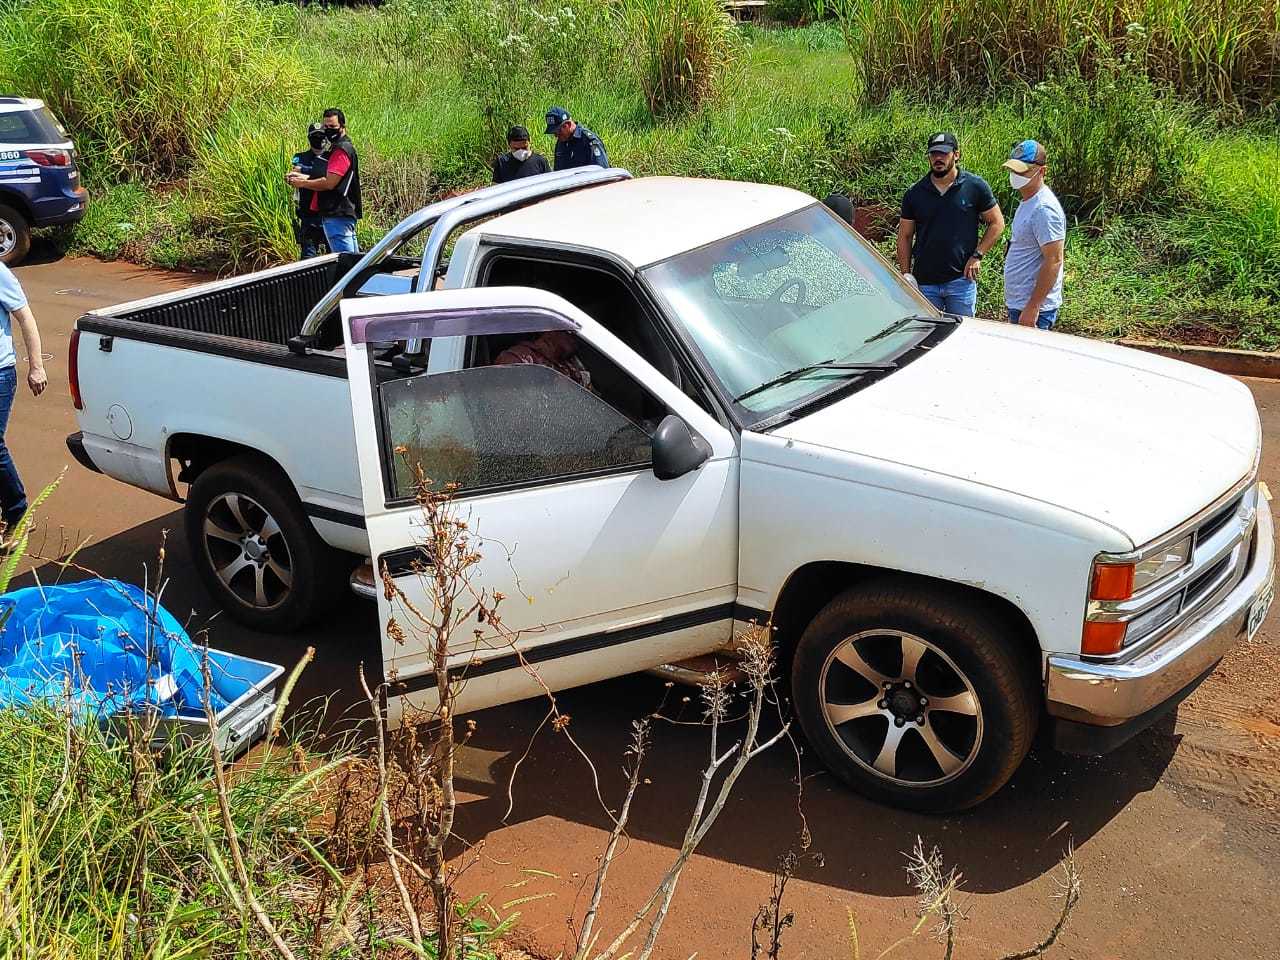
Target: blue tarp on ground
92	639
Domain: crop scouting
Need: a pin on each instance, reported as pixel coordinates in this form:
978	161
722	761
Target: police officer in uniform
310	163
519	161
576	146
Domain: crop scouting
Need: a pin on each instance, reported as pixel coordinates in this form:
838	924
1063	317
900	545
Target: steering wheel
801	288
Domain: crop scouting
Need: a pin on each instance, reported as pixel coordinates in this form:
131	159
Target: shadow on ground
1013	838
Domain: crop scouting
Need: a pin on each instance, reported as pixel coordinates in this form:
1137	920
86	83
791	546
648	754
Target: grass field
1175	201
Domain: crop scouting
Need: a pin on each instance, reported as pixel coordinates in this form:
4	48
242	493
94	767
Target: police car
39	180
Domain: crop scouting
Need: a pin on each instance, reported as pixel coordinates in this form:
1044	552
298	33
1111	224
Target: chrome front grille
1219	520
1222	542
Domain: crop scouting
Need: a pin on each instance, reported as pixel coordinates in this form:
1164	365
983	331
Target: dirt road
1177	833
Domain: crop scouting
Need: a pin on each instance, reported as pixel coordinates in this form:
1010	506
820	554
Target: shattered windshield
783	311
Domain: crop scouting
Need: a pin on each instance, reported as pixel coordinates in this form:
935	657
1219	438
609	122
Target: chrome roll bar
444	217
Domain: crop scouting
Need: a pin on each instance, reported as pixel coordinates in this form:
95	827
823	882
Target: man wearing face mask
1033	263
938	245
336	200
519	161
306	228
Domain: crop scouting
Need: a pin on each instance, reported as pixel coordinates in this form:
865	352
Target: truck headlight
1162	563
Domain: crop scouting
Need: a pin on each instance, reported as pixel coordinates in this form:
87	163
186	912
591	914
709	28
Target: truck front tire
917	698
256	551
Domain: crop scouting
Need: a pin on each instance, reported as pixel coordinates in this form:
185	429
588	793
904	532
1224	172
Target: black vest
312	167
344	199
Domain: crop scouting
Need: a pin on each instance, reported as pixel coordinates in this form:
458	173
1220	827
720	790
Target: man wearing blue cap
1033	263
576	146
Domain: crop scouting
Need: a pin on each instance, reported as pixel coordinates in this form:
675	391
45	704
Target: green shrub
1116	143
138	81
506	51
685	49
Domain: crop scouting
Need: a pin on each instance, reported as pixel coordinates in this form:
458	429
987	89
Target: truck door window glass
798	291
603	297
502	426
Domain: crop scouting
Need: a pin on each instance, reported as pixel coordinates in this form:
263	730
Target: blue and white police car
39	180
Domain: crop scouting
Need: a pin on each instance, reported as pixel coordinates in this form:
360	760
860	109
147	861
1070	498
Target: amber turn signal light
1101	639
1111	581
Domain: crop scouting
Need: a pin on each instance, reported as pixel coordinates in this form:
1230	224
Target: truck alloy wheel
248	551
255	548
919	695
901	708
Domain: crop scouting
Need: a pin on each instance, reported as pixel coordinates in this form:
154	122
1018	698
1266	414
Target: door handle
406	560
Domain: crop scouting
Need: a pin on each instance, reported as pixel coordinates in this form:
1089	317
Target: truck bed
166	377
267	307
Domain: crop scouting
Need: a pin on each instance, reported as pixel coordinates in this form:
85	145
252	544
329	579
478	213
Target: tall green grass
1221	52
686	47
101	858
140	81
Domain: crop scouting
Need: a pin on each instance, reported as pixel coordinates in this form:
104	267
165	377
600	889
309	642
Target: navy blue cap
943	142
556	117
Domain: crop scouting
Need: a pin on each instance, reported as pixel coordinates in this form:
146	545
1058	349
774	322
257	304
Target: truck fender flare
811	587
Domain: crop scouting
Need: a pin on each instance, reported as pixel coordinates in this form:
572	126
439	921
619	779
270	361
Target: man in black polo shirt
938	245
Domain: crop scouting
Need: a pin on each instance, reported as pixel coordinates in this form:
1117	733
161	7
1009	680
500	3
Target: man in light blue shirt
13	306
1033	263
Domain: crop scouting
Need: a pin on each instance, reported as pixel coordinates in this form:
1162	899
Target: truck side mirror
677	450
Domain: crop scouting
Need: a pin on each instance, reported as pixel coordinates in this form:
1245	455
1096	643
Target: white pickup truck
729	408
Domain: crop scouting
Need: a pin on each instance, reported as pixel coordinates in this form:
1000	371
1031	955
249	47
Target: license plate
1258	611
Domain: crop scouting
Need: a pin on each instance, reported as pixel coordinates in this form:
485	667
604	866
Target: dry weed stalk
1069	894
415	763
239	886
770	920
937	890
717	698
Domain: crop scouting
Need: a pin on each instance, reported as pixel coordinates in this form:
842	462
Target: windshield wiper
853	368
899	324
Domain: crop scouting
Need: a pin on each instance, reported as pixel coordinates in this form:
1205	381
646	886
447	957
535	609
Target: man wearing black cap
576	146
519	161
938	244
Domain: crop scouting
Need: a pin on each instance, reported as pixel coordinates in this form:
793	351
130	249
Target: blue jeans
13	498
1045	321
958	296
340	234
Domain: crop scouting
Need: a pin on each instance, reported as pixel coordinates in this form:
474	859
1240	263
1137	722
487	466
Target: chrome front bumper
1109	694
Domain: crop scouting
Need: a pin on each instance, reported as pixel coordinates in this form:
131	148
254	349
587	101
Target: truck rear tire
917	699
15	236
256	551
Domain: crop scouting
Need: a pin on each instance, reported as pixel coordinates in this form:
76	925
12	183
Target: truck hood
1127	438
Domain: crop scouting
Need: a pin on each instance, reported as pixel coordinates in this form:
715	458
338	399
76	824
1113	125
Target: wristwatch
977	255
